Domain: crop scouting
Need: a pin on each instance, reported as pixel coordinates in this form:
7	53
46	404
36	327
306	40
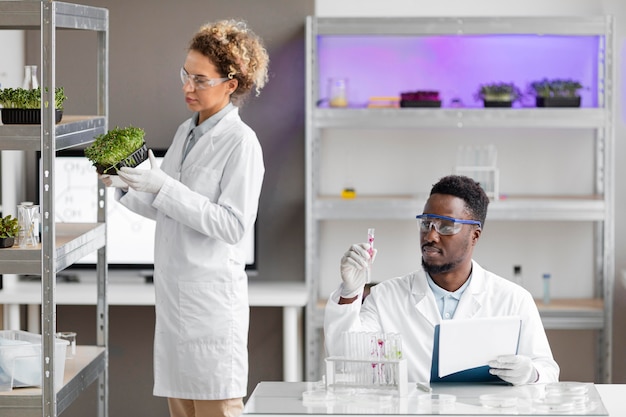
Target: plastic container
546	289
20	360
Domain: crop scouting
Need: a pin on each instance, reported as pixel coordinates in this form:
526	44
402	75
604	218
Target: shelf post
48	148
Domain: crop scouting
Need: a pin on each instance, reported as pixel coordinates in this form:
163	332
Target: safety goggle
443	225
198	81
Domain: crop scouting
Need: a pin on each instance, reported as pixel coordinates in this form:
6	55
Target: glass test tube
370	240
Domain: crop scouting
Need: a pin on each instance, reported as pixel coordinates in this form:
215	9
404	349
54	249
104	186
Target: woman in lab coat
204	198
450	285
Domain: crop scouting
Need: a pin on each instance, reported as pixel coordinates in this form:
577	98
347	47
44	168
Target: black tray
131	161
26	116
420	103
489	103
558	101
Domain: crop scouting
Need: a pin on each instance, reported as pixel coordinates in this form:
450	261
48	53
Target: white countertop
284	399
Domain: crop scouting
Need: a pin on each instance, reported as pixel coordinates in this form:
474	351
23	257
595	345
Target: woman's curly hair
237	53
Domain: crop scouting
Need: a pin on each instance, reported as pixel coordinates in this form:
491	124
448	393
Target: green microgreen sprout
498	92
22	98
117	145
555	88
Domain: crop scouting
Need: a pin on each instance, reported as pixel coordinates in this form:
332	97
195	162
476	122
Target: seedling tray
131	161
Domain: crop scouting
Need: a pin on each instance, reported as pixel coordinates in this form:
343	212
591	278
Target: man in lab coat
450	285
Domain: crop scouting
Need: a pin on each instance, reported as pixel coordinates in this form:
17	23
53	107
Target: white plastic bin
20	360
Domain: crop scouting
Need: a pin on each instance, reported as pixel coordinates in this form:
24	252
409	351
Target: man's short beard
438	269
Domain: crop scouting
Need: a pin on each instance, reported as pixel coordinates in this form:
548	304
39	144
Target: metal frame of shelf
61	245
598	208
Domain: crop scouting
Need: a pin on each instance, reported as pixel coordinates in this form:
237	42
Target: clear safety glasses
444	225
199	82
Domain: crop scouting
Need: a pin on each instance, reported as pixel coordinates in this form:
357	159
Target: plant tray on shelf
558	101
489	103
7	242
26	116
420	103
131	161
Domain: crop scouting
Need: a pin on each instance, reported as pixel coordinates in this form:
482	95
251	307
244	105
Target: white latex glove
113	181
146	180
354	265
516	369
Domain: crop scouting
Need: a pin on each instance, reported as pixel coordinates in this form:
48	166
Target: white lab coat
202	213
406	305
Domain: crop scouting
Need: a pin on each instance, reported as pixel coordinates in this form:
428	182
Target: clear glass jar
30	77
338	92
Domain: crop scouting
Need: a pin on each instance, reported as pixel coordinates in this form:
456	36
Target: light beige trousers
232	407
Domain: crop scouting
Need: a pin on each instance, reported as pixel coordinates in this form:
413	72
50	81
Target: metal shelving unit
61	244
598	207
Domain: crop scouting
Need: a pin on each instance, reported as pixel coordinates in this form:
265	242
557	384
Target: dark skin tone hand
448	259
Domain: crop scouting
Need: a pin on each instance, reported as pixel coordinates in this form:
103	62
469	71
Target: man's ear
476	235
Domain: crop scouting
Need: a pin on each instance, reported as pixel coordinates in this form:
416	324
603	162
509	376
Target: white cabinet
61	244
556	213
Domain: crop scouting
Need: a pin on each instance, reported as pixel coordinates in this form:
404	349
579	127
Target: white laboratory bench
128	288
284	399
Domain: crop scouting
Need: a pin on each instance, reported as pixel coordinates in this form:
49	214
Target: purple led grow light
454	65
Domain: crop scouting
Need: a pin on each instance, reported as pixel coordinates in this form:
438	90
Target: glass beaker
28	221
338	92
30	77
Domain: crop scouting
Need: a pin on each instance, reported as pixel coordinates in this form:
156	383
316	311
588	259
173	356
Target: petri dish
342	393
498	401
436	401
317	396
567	388
552	405
580	402
376	400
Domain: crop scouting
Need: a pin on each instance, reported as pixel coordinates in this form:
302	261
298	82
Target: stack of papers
464	347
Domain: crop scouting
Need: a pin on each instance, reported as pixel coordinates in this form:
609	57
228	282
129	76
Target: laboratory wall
147	48
574	350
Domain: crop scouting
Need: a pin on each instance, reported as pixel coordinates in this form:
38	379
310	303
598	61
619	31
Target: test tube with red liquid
370	240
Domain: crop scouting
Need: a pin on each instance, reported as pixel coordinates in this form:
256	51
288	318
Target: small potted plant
420	98
498	94
119	147
556	92
23	106
9	229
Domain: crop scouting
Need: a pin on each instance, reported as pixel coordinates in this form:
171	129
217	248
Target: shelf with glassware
73	242
61	244
329	129
80	372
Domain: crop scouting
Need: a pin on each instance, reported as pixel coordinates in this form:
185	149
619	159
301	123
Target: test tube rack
480	163
388	375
